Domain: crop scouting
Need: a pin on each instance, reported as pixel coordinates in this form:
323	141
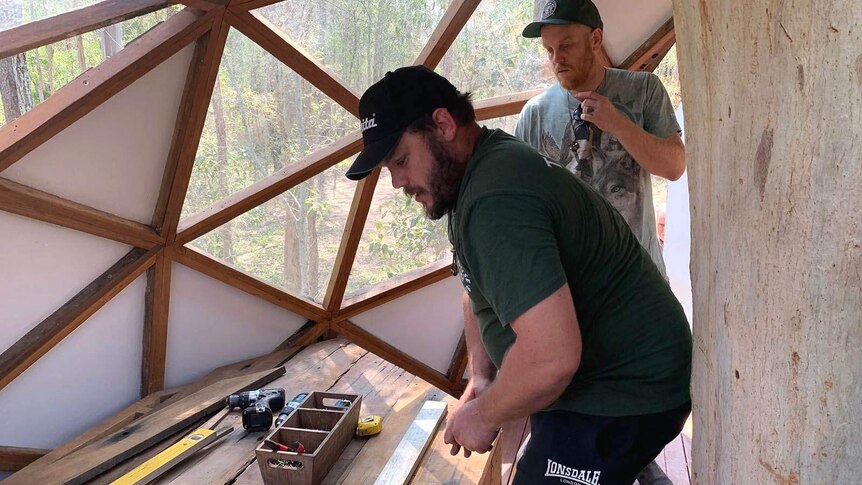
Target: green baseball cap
561	12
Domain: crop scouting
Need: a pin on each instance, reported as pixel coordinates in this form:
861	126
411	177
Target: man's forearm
521	388
664	157
480	364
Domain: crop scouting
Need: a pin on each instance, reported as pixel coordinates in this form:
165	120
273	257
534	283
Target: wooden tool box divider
323	428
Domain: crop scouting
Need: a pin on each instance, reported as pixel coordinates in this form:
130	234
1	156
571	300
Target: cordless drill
258	407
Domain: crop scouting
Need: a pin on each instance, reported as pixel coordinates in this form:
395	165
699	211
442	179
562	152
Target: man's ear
446	127
596	39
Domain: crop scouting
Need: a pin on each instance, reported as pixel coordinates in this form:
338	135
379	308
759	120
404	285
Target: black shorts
578	449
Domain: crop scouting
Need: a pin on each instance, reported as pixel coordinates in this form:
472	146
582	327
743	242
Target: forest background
264	117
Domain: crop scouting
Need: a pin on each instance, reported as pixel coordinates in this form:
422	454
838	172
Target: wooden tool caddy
323	428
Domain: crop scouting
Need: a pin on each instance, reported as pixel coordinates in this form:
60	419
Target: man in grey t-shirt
634	130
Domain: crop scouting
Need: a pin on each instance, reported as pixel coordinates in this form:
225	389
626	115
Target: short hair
460	107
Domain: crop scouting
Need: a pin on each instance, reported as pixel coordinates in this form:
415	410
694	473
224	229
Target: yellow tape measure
369	425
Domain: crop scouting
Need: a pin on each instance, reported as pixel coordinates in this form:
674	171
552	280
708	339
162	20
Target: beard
578	73
444	180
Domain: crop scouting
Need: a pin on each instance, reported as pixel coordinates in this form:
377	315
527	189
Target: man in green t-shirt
574	326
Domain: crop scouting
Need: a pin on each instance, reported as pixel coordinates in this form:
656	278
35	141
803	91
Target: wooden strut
209	29
51	331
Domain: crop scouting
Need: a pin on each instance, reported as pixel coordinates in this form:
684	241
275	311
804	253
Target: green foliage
408	239
668	71
265	118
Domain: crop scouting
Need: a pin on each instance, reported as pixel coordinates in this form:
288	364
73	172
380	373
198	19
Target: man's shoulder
549	97
507	164
624	81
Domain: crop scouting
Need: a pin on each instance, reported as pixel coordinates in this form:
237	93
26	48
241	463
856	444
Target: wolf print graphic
614	173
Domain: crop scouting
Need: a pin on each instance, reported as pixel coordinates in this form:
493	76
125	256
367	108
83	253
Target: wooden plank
122	418
492	474
184	448
38	341
381	384
649	54
14	458
121	469
111	450
191	117
373	344
392	289
353	228
83	94
257	28
508	104
155	337
35	204
46	31
404	460
237	278
447	31
315	368
266	189
512	436
439	466
675	465
375	454
458	366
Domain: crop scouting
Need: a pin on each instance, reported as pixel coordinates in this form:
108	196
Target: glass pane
291	241
262	117
490	58
397	238
356	40
36	74
668	71
505	123
19	12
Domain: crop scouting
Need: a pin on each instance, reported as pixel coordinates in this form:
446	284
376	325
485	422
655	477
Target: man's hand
664	157
466	427
474	389
601	112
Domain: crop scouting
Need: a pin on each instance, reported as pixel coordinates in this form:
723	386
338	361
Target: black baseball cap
561	12
389	106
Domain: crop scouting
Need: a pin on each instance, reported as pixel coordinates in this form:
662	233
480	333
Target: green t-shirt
524	226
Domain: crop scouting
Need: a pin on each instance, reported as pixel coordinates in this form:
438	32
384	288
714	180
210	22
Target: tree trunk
79	46
40	78
773	110
14	76
290	245
222	167
111	38
49	51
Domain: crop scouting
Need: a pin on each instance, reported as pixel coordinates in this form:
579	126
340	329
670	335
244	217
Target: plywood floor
387	390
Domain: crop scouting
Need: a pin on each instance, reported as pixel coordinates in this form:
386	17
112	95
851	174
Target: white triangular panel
93	373
425	324
212	324
43	267
624	32
113	158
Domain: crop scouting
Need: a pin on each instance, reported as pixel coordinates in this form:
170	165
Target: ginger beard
576	72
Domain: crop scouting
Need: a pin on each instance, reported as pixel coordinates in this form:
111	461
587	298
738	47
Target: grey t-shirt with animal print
546	124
